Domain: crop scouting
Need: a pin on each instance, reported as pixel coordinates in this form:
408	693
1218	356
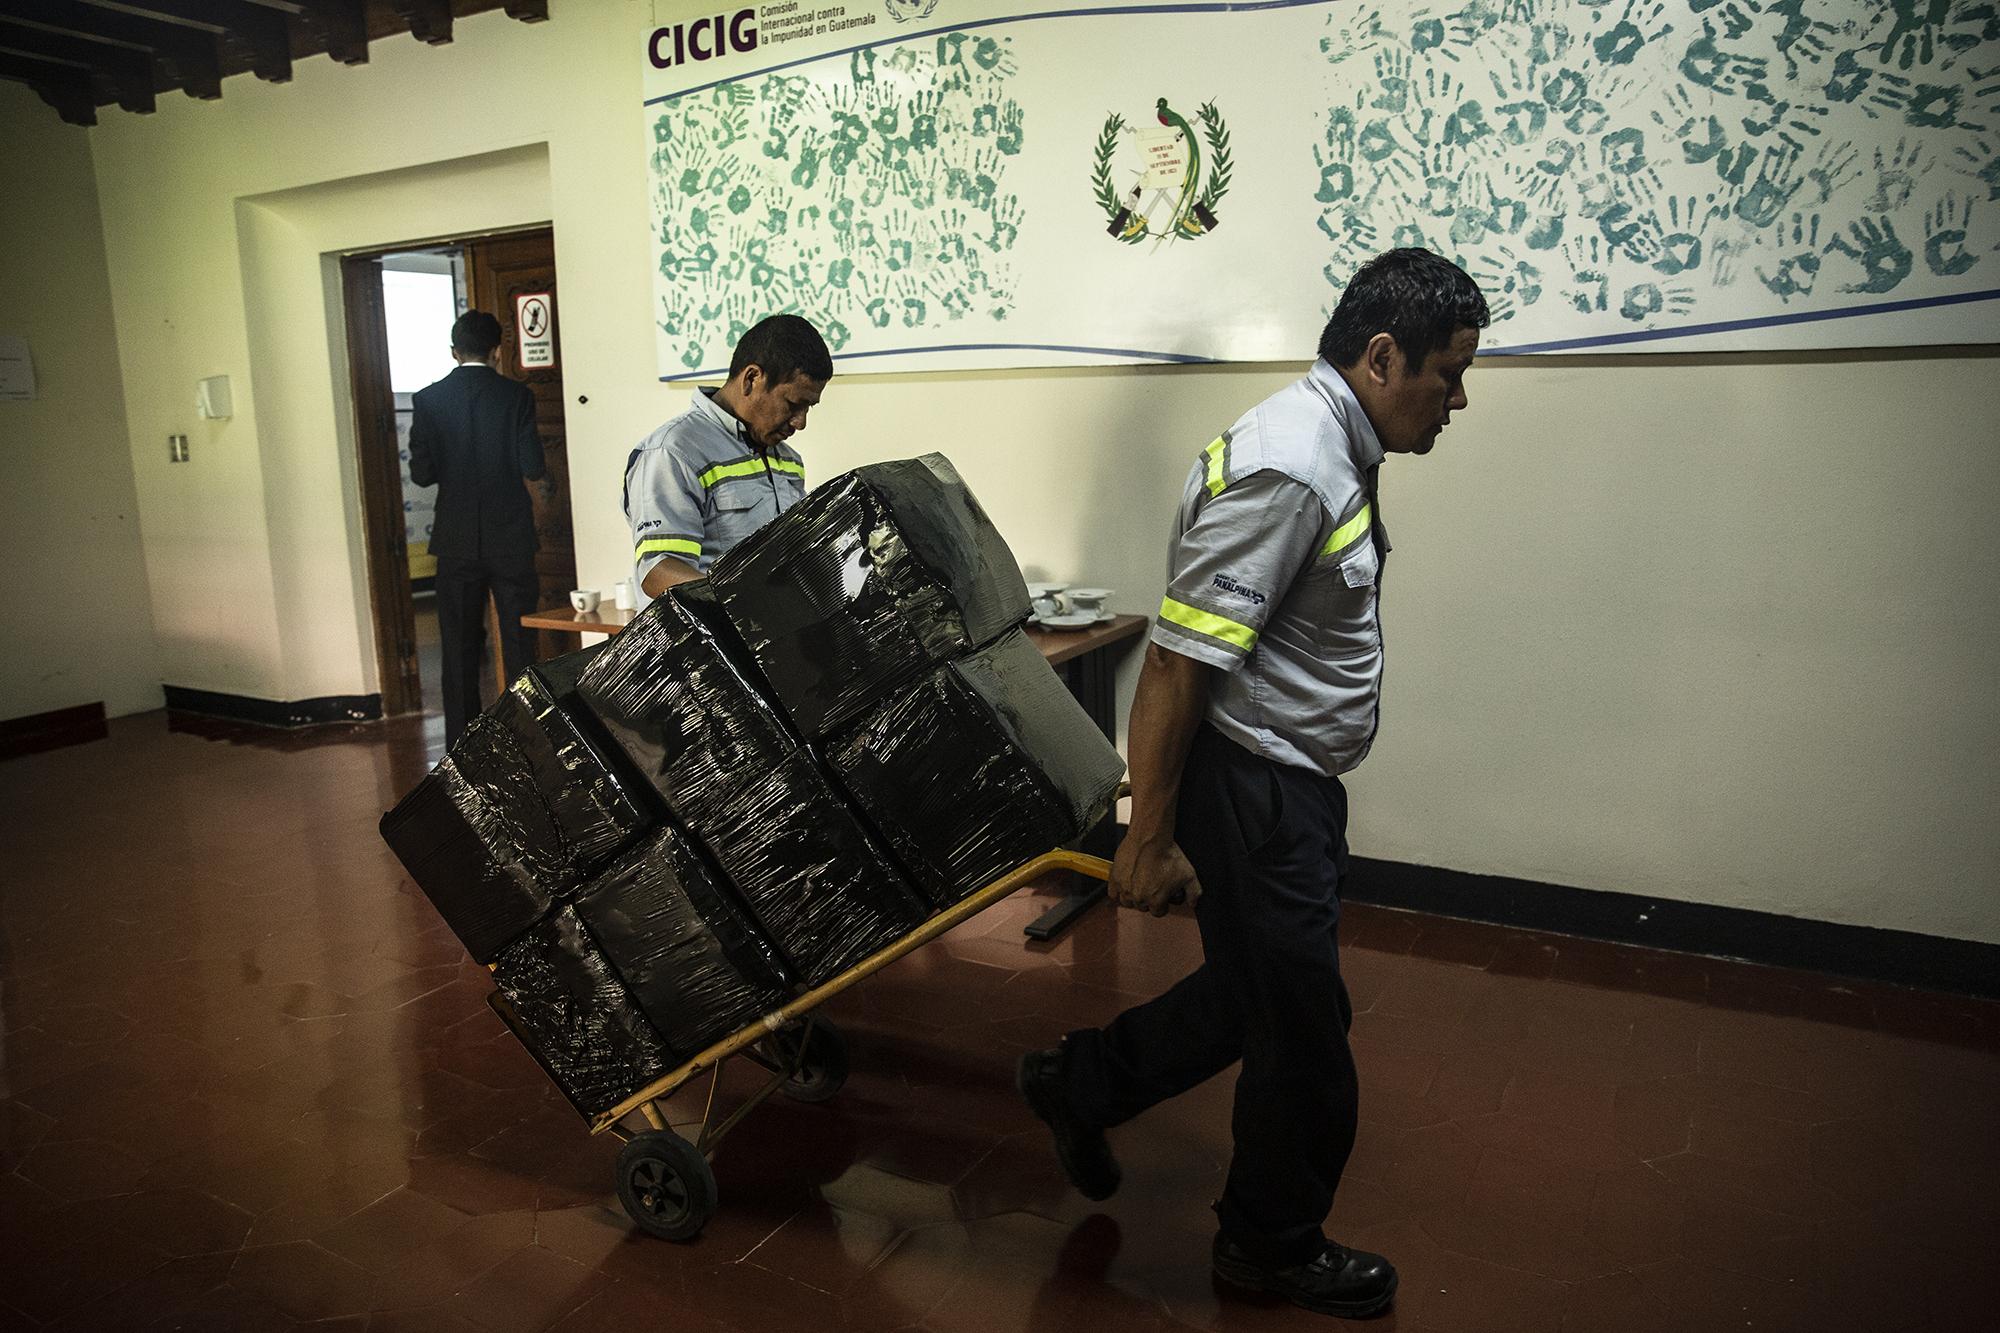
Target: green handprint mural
1606	167
1944	237
875	195
1634	155
1885	260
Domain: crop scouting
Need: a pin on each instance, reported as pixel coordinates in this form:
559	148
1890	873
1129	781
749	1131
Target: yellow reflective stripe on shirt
1349	530
750	467
1216	475
1205	622
666	546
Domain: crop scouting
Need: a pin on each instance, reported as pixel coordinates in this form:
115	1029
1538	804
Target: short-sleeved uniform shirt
1276	564
697	486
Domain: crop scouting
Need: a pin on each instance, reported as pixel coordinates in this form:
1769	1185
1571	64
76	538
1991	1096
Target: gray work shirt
1276	561
697	486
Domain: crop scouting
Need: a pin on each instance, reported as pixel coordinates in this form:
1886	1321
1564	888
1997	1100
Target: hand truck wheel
666	1184
816	1053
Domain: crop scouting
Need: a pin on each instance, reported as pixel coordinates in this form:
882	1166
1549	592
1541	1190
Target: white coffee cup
584	600
1088	601
621	595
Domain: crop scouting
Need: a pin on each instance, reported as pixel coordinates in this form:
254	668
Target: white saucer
1067	622
1091	594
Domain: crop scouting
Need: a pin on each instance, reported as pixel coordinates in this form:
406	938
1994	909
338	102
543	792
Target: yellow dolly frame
665	1181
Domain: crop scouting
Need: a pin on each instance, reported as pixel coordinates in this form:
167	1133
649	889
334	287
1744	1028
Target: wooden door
501	271
380	468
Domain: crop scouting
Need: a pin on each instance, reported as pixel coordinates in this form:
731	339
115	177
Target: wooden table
1082	657
1066	645
606	619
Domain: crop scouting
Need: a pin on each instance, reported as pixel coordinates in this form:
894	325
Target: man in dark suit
473	437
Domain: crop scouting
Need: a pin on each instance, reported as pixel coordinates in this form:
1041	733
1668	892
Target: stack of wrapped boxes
770	775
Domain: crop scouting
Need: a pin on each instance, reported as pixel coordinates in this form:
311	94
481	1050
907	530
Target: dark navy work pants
1268	843
462	586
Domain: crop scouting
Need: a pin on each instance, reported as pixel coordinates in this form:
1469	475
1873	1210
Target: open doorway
400	304
422	291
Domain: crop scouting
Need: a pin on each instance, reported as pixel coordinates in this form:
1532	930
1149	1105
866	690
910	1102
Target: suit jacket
473	437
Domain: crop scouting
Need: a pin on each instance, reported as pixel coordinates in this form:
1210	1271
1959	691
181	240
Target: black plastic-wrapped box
678	696
460	855
985	763
824	892
684	709
697	967
590	812
876	577
575	1016
524	807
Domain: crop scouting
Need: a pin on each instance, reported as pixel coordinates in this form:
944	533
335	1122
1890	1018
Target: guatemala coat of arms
1163	180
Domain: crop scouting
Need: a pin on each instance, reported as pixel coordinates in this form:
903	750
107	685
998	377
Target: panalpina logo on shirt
1227	584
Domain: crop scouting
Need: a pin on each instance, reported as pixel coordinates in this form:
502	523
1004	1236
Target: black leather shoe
1350	1283
1081	1148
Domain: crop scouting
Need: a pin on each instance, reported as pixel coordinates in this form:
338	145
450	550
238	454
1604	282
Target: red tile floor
247	1081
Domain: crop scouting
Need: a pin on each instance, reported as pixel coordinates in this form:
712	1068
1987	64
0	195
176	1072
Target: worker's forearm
666	574
1171	699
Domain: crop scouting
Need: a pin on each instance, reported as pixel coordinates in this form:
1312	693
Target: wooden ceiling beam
128	72
344	25
188	53
134	49
76	104
131	94
77	19
28	40
64	87
197	65
265	33
429	20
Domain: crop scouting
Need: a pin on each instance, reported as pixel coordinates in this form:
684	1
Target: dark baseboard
1902	957
270	712
52	730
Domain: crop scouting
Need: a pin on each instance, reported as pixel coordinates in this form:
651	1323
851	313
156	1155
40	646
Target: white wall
1718	629
1713	629
292	290
73	594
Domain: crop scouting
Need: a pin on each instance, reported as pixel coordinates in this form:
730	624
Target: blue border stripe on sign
1738	325
1249	6
1173	358
1526	349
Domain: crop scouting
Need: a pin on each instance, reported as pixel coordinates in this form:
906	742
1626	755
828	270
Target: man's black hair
783	346
475	333
1420	299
